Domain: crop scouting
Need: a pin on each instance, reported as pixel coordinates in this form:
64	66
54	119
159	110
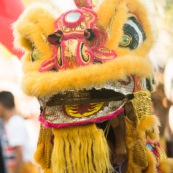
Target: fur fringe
80	149
151	162
48	171
166	166
35	83
43	152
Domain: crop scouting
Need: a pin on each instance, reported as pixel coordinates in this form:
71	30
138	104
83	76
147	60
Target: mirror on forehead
72	16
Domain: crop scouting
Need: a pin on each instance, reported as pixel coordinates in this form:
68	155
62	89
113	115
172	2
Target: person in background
2	162
161	108
18	149
168	88
162	104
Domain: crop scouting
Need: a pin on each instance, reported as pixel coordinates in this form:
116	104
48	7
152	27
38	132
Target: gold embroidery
142	103
109	29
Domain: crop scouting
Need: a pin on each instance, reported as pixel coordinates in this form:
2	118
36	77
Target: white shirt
17	136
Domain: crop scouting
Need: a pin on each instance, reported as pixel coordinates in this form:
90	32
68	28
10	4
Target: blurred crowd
16	149
162	99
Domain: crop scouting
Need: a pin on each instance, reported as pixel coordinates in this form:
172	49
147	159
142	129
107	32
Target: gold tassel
80	149
136	133
43	152
151	162
166	166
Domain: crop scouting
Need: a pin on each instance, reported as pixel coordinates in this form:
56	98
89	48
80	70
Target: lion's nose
55	38
89	34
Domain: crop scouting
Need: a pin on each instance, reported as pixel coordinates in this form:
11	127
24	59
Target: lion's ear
33	27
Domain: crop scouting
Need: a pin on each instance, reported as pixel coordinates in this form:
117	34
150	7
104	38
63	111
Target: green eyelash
34	55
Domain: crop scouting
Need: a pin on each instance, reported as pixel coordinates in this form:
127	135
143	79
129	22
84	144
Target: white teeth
106	109
115	86
97	88
88	88
41	103
143	83
100	113
47	98
112	104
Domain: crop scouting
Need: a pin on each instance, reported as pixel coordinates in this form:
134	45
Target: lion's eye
125	41
34	55
134	34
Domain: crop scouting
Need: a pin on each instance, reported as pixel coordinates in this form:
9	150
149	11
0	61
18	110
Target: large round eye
134	35
34	55
125	41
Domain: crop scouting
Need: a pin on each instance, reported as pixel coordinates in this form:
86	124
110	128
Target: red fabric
9	12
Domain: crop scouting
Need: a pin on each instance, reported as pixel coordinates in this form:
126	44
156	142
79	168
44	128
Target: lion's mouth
91	105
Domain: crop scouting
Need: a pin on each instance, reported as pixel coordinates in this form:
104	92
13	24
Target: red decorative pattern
72	47
76	29
137	85
83	56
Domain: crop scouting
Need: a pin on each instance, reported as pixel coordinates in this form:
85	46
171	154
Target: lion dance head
89	69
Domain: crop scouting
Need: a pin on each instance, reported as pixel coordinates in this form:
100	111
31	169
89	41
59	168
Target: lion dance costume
90	72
